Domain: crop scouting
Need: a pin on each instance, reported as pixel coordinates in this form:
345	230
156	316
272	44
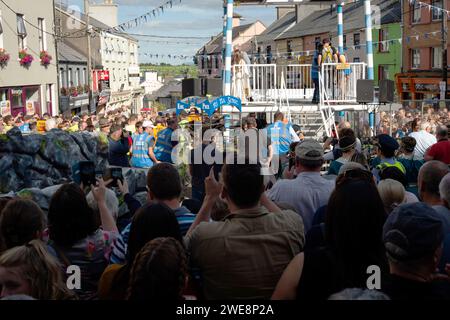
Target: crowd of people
300	234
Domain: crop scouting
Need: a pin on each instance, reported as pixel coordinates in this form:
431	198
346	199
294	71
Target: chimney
236	20
283	10
106	12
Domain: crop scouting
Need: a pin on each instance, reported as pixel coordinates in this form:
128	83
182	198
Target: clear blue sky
200	18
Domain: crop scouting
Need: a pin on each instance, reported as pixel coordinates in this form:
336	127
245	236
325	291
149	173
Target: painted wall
13	74
392	58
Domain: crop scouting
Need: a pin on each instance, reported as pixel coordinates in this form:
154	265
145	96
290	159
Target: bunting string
133	23
429	6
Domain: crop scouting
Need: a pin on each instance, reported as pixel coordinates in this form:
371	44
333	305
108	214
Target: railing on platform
339	83
267	83
258	81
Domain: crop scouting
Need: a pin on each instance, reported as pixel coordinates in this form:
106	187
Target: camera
115	174
87	173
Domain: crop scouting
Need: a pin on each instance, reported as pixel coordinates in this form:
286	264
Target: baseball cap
309	150
412	231
103	122
387	143
147	124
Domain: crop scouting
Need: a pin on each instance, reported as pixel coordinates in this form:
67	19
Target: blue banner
209	107
182	106
225	101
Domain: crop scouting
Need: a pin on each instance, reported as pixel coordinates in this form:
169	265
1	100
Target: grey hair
112	203
359	294
444	188
425	125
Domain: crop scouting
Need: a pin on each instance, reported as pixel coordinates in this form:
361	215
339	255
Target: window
42	42
217	61
21	31
84	77
345	41
356	60
436	55
357	40
436	14
415	58
70	78
16	97
289	49
383	72
62	80
416	13
383	46
77	77
269	54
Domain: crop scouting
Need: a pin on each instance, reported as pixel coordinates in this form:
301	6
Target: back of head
70	218
38	268
159	271
251	122
279	116
430	175
394	173
444	189
346	132
353	227
151	221
20	222
244	183
309	155
392	193
164	182
408	144
442	132
412	234
172	122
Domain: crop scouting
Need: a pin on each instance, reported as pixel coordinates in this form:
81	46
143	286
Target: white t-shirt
424	141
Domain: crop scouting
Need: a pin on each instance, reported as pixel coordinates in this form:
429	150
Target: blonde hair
39	268
392	194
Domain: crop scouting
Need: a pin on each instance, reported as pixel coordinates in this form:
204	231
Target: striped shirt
118	256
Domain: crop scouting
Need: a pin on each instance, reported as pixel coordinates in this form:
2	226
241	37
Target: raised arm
106	217
213	188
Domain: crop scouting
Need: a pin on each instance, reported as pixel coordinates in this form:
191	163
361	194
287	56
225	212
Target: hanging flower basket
25	59
73	91
4	57
45	58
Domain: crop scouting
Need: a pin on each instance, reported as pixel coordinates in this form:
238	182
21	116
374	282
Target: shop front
417	87
25	99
